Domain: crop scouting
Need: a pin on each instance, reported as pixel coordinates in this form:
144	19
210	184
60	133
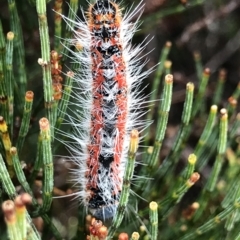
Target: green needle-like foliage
9	77
134	140
25	119
45	135
182	175
153	214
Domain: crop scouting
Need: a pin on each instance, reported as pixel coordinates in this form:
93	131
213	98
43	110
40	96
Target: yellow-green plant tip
168	64
187	110
6	141
142	228
3	125
223	112
25	120
184	228
192	159
167	95
150	150
188	171
10	36
153	206
153	214
237	204
135	236
190	87
214	108
169	78
13	150
222	142
134	139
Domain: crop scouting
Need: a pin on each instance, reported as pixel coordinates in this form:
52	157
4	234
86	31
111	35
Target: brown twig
206	21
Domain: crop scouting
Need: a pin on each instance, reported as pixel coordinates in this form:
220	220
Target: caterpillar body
110	100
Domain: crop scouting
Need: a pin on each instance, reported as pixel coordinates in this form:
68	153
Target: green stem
156	85
208	129
171	159
9	78
18	51
153	213
58	25
162	121
198	64
126	184
45	135
45	60
25	120
219	88
222	144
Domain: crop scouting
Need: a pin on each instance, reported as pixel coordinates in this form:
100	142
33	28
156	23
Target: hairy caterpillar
110	100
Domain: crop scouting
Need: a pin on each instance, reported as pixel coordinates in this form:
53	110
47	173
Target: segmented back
109	110
109	99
